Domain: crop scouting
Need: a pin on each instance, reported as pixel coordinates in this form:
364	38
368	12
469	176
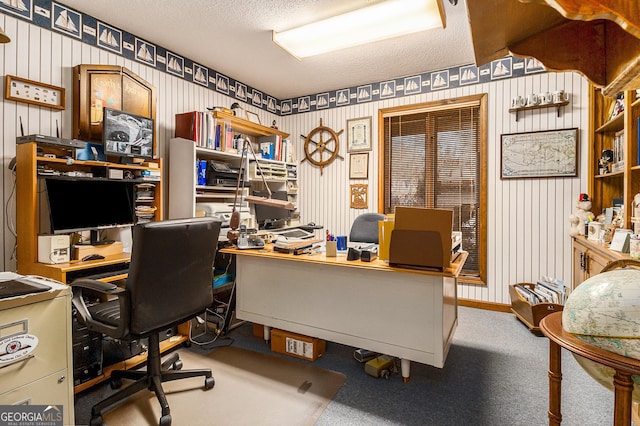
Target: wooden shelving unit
31	222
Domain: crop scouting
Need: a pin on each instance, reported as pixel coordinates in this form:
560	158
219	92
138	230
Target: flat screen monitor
89	205
269	217
127	135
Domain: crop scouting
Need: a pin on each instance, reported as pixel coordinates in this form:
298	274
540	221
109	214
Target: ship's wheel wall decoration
322	146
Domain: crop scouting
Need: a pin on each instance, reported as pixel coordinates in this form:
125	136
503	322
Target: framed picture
359	193
359	134
252	116
359	166
551	153
31	92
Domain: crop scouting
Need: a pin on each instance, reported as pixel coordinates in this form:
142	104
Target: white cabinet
42	376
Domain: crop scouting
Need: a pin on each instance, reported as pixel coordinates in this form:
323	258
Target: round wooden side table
551	326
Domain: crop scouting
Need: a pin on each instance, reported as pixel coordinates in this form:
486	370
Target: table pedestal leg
266	333
405	367
555	382
622	406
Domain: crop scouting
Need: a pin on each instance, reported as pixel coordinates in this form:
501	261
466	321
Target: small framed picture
359	134
32	92
359	166
359	196
253	117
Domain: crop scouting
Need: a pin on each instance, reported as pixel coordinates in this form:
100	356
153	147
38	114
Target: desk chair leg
156	373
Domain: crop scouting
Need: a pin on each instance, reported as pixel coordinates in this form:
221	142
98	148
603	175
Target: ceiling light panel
380	21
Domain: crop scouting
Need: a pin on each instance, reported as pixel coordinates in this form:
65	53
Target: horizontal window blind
432	160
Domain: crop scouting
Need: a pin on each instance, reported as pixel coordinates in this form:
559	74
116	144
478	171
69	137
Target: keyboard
295	233
99	272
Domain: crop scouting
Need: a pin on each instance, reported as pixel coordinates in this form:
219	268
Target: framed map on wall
551	153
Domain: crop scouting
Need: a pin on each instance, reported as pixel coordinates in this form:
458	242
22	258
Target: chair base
156	373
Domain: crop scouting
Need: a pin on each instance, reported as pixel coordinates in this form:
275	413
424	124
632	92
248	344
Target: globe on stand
604	311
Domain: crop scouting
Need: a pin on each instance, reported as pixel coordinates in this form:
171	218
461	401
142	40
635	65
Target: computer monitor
269	217
127	135
89	205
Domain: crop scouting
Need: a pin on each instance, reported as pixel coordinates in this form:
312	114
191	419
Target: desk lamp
234	222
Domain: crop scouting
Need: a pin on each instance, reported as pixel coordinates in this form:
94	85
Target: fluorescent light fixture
380	21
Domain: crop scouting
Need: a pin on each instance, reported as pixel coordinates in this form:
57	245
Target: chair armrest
84	316
99	286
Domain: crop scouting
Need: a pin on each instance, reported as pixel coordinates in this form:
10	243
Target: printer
223	212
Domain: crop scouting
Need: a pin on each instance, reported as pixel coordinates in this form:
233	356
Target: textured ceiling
234	38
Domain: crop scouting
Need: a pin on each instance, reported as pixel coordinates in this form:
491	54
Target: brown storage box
297	345
530	314
105	250
258	331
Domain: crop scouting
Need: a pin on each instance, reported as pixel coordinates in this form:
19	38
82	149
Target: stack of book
547	290
153	175
145	213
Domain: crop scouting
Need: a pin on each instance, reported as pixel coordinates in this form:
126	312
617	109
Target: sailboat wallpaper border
21	8
57	17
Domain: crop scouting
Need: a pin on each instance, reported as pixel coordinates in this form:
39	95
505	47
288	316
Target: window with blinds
432	159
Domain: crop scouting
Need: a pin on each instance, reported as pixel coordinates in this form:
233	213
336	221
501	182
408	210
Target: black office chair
365	228
170	281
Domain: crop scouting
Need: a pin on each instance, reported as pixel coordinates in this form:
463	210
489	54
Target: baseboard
489	306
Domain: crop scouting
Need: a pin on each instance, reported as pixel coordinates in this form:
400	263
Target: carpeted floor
279	392
495	374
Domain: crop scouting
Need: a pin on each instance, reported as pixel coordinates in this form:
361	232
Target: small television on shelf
270	217
89	205
127	135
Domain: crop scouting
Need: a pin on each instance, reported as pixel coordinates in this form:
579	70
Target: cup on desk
331	248
341	241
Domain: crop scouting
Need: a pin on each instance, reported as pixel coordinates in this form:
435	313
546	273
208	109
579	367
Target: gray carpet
495	374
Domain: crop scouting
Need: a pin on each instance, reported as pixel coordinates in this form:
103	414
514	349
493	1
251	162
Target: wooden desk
407	313
624	367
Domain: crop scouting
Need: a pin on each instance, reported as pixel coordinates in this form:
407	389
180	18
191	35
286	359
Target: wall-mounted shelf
556	105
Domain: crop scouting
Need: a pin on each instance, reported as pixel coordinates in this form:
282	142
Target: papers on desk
14	285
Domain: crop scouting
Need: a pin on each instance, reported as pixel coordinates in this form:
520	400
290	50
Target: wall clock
321	146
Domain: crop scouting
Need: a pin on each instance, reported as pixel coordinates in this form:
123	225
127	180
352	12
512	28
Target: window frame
480	101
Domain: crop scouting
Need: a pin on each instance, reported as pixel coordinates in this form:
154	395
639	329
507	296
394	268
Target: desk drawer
47	320
50	390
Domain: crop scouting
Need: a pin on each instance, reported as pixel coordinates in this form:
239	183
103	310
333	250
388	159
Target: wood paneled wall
528	218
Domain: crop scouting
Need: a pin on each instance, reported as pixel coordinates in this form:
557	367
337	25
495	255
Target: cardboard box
258	331
297	345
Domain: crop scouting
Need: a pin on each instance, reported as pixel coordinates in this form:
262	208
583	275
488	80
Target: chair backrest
365	228
171	273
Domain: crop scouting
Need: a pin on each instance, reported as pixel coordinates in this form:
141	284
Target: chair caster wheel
209	383
116	383
96	421
177	365
165	420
